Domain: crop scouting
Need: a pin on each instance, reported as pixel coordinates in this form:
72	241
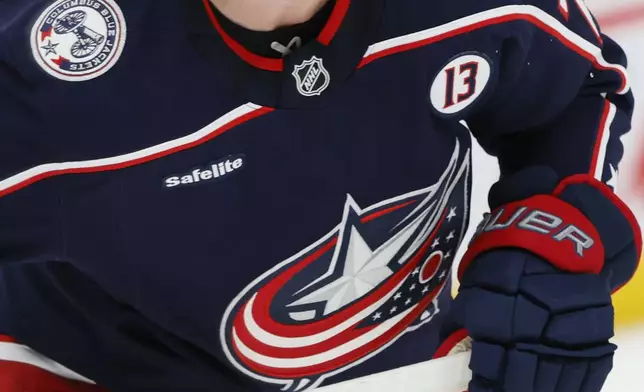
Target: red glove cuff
545	226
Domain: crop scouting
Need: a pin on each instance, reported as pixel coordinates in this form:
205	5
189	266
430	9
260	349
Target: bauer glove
536	284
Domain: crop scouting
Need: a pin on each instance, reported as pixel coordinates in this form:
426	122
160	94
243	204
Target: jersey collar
307	77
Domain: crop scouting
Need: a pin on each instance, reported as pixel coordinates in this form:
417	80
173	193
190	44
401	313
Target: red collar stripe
277	65
253	59
335	21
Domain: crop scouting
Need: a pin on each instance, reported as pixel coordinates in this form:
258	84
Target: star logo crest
50	48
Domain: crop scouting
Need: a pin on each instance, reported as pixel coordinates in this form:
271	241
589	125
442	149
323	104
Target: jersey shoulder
22	136
62	62
409	16
79	79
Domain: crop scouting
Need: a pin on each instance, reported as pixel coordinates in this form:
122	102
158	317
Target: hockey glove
536	284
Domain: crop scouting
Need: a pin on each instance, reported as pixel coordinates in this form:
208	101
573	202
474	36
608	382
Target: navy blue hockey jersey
178	212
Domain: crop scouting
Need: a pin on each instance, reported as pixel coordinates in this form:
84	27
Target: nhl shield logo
311	78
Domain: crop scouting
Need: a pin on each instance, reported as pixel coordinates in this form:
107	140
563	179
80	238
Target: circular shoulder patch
78	40
460	83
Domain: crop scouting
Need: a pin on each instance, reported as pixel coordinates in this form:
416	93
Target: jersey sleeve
562	98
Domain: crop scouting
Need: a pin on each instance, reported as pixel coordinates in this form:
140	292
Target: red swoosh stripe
267	294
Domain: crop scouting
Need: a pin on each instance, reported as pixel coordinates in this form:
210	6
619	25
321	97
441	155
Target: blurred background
622	20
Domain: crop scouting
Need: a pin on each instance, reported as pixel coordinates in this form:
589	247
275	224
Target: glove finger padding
534	328
530	373
542	302
596	374
547	376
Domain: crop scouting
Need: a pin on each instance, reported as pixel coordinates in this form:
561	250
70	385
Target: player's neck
267	15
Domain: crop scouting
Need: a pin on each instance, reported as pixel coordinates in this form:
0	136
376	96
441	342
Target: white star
397	296
450	236
363	271
377	316
425	289
408	301
436	242
416	272
448	254
359	268
393	310
452	214
412	287
614	176
442	275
